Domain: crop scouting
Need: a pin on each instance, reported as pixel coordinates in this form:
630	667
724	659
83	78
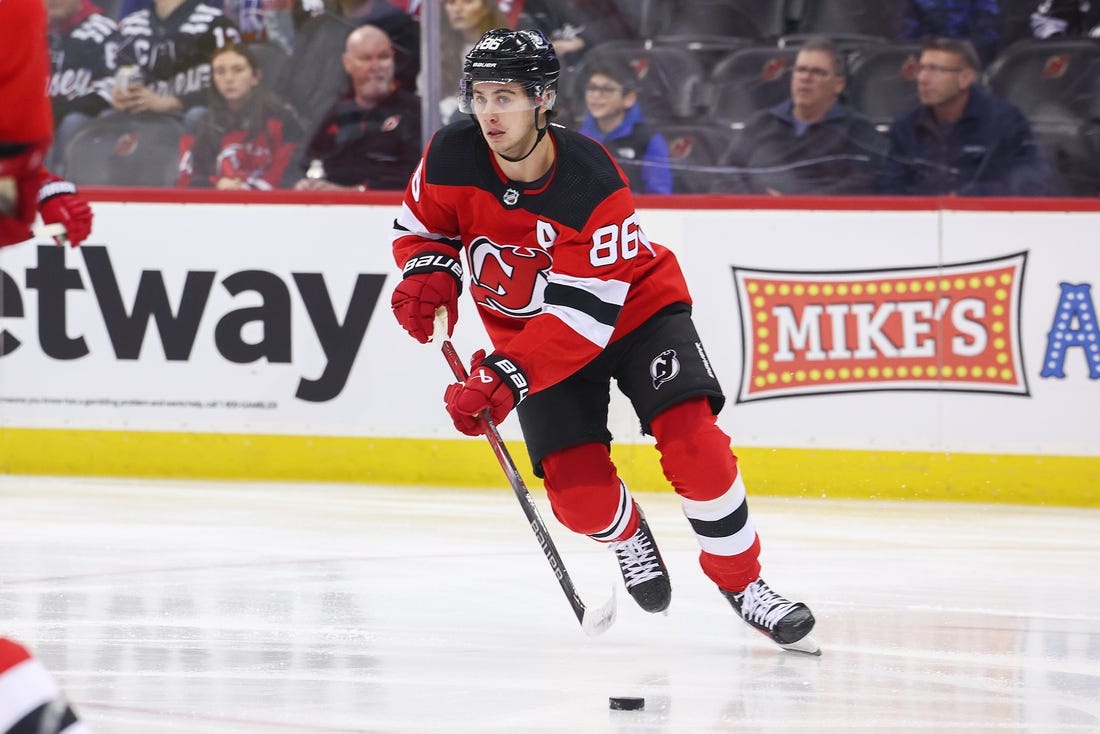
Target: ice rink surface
281	609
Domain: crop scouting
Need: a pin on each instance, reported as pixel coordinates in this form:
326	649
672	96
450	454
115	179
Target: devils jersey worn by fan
174	52
83	48
568	271
24	67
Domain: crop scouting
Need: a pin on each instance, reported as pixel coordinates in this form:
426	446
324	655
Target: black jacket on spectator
376	148
989	151
841	154
174	52
81	47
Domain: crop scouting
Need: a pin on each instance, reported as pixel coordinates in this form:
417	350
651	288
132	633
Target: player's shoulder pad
452	153
584	161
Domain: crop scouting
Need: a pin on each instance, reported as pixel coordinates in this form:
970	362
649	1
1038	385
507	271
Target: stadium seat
125	150
881	18
848	43
1069	144
670	78
1015	21
644	16
707	48
1038	76
749	80
758	19
882	81
273	61
315	74
694	150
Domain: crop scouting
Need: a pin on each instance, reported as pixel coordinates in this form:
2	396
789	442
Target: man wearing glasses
960	139
811	143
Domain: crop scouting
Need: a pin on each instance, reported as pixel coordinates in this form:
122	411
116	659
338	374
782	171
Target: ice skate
787	623
643	570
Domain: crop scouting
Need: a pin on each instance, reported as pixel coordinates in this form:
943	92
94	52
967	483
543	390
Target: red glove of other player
58	203
496	384
431	280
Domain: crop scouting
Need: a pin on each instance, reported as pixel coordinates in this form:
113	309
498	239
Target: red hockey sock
695	452
696	458
586	494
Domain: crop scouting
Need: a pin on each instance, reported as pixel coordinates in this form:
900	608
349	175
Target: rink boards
902	352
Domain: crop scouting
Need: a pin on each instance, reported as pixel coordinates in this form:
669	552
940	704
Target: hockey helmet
503	56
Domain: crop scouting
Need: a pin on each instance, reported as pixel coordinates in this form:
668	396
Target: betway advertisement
867	329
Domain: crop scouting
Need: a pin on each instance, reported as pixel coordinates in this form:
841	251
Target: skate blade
807	645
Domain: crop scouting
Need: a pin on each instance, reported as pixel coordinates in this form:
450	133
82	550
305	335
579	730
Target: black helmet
504	55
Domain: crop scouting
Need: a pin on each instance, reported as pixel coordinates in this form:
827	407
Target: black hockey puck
627	703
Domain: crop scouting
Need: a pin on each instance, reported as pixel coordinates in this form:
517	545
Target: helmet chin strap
538	139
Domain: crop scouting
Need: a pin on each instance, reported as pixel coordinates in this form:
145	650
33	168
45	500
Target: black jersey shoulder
453	155
585	177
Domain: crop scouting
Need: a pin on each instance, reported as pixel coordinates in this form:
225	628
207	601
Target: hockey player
573	294
26	130
30	699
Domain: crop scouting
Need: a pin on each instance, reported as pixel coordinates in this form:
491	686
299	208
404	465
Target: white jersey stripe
608	291
582	323
23	688
413	226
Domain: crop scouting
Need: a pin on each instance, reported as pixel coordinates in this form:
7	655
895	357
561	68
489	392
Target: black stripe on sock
723	527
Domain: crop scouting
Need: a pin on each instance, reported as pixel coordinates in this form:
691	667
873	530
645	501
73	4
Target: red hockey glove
20	175
431	280
58	202
496	384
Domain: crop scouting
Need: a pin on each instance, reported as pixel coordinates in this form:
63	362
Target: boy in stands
573	294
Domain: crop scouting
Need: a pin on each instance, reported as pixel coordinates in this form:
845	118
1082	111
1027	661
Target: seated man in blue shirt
960	139
811	143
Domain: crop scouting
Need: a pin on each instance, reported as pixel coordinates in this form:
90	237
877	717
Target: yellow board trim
817	473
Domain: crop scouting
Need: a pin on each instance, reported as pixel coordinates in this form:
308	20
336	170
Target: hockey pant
588	497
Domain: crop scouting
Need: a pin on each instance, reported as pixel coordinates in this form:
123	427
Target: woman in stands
247	137
466	22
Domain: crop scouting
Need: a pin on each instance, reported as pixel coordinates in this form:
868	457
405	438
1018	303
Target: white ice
283	609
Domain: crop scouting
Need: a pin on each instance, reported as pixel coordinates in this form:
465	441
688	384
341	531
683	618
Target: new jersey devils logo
664	367
508	278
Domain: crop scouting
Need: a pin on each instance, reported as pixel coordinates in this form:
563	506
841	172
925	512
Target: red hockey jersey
25	115
558	268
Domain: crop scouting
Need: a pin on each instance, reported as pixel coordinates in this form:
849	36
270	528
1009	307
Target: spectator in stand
83	44
467	21
316	69
811	143
370	139
169	45
978	21
615	119
960	139
1066	19
248	136
574	26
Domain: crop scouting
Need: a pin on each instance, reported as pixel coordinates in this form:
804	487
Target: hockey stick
593	621
56	230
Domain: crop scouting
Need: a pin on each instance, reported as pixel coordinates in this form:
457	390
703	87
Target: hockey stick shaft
593	622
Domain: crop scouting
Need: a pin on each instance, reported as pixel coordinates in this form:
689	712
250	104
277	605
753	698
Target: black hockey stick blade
594	621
